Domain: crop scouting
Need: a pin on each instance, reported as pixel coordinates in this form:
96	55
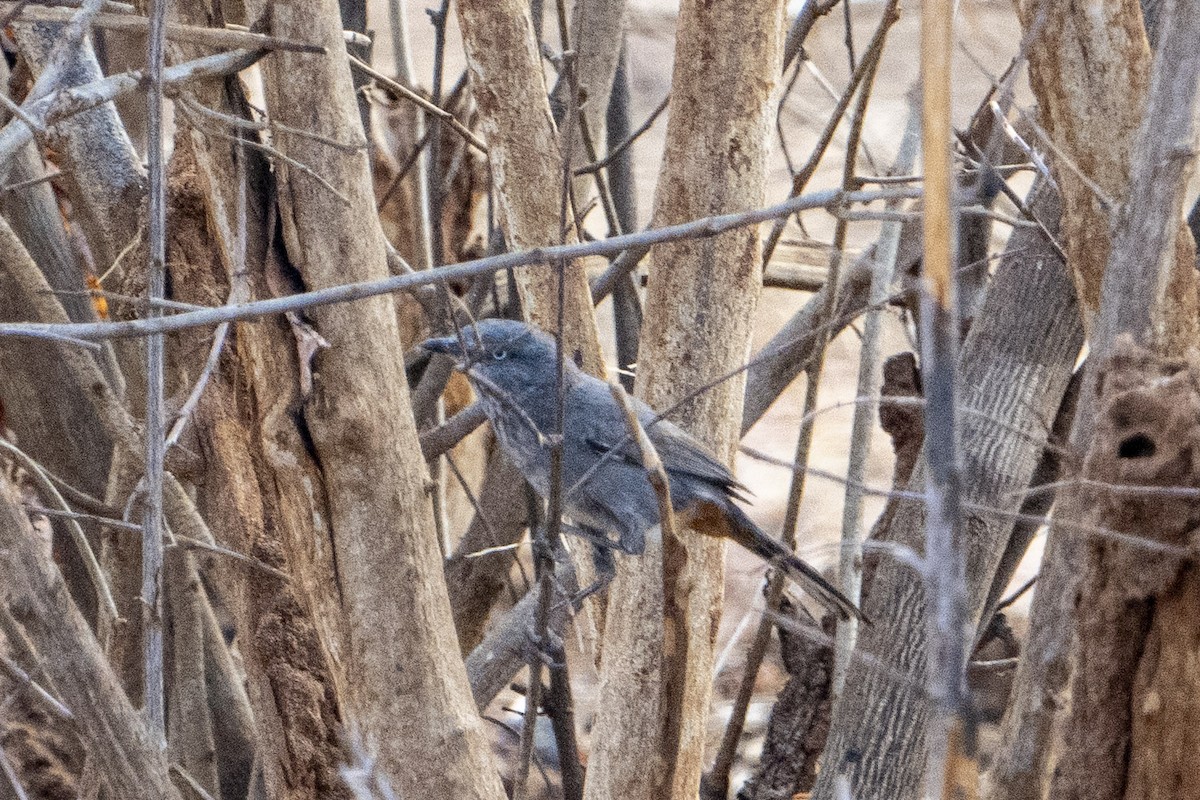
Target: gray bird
512	367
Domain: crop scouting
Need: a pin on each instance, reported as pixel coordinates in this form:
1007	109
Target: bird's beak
444	344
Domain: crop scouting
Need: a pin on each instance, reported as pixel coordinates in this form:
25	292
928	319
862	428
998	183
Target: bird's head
500	350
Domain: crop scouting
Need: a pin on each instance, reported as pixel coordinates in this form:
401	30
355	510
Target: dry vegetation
930	286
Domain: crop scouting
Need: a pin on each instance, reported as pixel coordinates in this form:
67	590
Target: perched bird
606	489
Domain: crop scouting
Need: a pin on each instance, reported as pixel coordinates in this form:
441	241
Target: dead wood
37	602
657	680
1014	366
1127	715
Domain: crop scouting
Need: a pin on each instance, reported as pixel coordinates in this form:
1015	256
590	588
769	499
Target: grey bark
1014	367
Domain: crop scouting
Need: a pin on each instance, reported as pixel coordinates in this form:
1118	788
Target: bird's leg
602	558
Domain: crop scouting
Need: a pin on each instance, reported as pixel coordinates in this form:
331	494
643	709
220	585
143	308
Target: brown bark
1089	67
36	599
656	679
1127	713
1139	425
1090	70
251	473
359	537
800	718
526	160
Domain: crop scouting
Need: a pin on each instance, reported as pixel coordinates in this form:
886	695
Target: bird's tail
743	531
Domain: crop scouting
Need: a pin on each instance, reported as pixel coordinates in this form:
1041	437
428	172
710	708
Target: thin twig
271	152
192	783
188	543
428	107
156	408
950	771
252	125
800	180
23	679
596	166
11	777
700	228
50	493
850	560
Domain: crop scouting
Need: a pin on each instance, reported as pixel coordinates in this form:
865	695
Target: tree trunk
1089	66
1014	366
1139	423
354	515
36	599
649	737
526	161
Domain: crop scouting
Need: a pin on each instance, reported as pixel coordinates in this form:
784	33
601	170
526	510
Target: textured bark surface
1147	433
700	303
1014	366
526	161
1089	67
370	568
799	719
1148	288
36	599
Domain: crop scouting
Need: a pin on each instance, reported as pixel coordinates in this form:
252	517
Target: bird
606	490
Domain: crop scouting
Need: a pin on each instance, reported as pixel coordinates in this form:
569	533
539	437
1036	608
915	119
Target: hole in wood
1137	446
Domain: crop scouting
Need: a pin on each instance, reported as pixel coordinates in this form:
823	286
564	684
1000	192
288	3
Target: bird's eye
499	355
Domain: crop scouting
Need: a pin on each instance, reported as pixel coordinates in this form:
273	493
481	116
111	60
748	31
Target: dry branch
699	228
726	66
36	599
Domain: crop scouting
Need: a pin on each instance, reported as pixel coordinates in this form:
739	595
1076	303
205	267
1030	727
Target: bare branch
699	228
59	105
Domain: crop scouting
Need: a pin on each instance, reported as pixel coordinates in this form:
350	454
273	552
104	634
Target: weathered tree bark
1140	418
106	185
35	597
799	722
65	435
377	595
1127	712
1024	763
103	175
1014	366
597	33
648	740
526	161
1089	67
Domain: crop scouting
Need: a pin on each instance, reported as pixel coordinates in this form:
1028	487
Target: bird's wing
680	453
